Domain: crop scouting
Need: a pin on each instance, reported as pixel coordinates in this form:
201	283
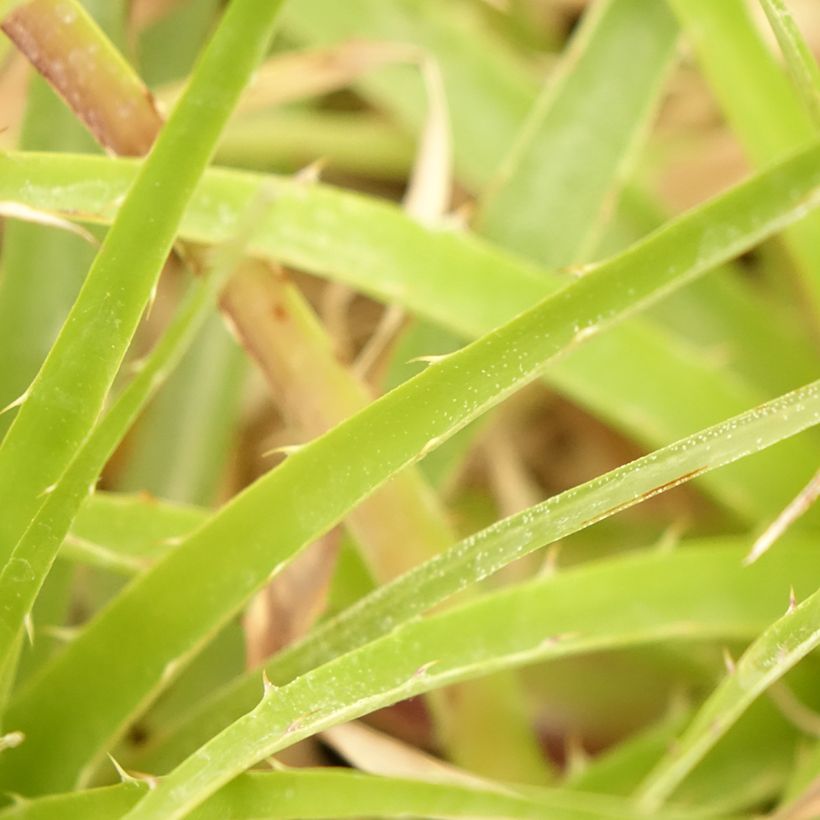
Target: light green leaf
181	446
481	555
460	282
800	62
758	101
489	91
125	532
335	793
774	653
31	559
578	143
700	594
315	487
67	395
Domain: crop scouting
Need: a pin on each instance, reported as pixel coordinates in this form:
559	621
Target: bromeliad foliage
588	295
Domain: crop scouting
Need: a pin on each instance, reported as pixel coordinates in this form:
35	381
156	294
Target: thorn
28	623
431	445
576	755
49	490
554	640
285	450
137	364
671	536
424	669
61	633
17	799
585	333
312	172
578	271
11	740
550	565
134	777
277	765
124	776
20	400
233	329
460	218
268	686
728	661
151	299
429	359
797	507
792	601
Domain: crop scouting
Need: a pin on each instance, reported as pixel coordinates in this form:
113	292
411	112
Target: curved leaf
314	488
456	280
699	594
67	395
775	652
479	556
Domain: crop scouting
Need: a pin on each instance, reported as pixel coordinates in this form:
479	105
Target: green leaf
489	91
775	652
695	594
724	315
336	793
579	141
183	442
758	101
482	554
800	62
314	488
462	283
287	140
124	533
31	559
42	268
740	773
67	395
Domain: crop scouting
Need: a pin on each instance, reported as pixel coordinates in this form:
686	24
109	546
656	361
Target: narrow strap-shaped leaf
456	280
67	395
800	62
31	559
316	486
335	793
690	595
772	655
33	301
137	526
486	552
489	92
255	303
759	102
580	138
